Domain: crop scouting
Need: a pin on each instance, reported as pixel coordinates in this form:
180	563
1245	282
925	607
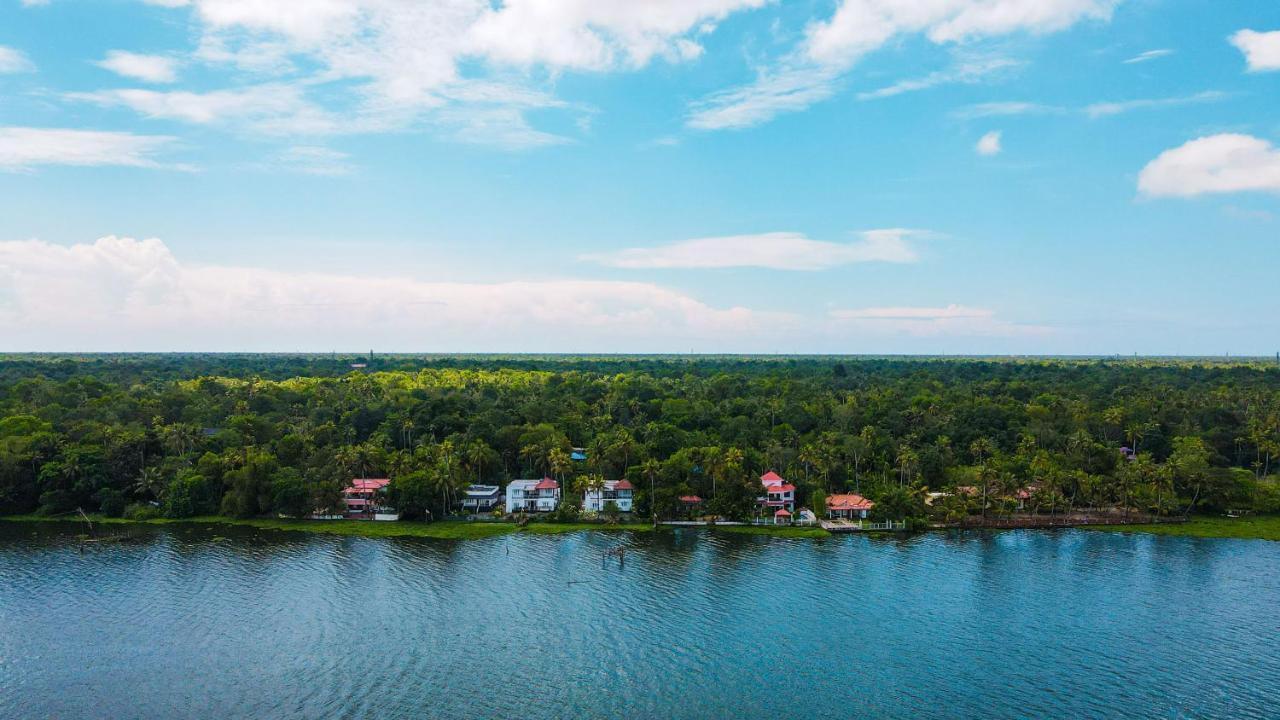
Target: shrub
141	511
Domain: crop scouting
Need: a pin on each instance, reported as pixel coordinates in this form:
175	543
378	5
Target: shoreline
440	530
1266	527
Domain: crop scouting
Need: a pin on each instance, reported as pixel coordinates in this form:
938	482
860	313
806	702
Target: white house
481	498
533	495
779	494
614	491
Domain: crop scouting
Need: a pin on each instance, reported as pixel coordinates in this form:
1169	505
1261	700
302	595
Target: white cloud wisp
775	251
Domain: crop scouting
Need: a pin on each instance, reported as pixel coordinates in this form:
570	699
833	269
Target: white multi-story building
779	494
614	491
533	495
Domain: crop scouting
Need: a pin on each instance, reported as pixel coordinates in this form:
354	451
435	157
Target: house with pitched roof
778	493
533	495
364	499
618	492
848	507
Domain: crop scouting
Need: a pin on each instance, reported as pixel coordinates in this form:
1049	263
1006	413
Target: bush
110	502
141	511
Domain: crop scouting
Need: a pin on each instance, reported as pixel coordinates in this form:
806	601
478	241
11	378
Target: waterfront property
533	495
618	492
848	507
364	499
481	498
778	492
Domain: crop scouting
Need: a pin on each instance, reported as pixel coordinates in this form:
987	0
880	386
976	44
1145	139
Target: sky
1085	177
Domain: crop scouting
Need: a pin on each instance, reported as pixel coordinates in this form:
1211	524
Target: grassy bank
1262	527
445	530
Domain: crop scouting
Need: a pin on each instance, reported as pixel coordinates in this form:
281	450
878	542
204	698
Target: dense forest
251	435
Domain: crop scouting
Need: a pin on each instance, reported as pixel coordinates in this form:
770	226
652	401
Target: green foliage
141	511
256	435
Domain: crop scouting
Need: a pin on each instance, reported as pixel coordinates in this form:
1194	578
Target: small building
533	495
481	498
1024	494
782	517
578	455
690	505
778	492
618	492
365	500
848	507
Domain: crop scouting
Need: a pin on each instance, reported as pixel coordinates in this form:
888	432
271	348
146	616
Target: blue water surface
196	622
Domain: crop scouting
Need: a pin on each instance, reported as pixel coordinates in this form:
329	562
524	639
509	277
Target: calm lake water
223	623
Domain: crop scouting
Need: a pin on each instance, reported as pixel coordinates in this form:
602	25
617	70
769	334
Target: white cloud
1223	163
933	321
830	48
277	108
148	68
13	60
776	91
1006	108
121	293
1105	109
390	63
1261	49
312	160
22	148
989	144
1148	56
777	251
967	72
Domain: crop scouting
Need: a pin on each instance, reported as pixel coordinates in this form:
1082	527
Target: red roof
848	502
785	488
691	499
367	484
623	485
547	484
782	513
771	478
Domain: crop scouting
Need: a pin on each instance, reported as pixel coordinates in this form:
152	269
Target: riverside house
365	500
617	492
481	498
779	494
848	507
533	495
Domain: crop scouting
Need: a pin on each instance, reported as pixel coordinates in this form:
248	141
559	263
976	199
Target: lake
230	622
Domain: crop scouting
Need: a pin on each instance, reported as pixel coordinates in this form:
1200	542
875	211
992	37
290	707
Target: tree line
249	435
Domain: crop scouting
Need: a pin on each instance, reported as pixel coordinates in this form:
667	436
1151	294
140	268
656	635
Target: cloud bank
775	251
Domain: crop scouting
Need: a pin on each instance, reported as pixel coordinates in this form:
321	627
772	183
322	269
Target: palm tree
650	469
559	462
476	452
150	483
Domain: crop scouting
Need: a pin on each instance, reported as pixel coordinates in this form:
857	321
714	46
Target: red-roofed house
617	492
782	517
848	507
778	492
364	499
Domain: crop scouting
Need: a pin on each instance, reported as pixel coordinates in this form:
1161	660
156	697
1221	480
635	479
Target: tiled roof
848	502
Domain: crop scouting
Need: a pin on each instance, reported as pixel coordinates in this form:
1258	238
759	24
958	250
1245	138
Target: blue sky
847	176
